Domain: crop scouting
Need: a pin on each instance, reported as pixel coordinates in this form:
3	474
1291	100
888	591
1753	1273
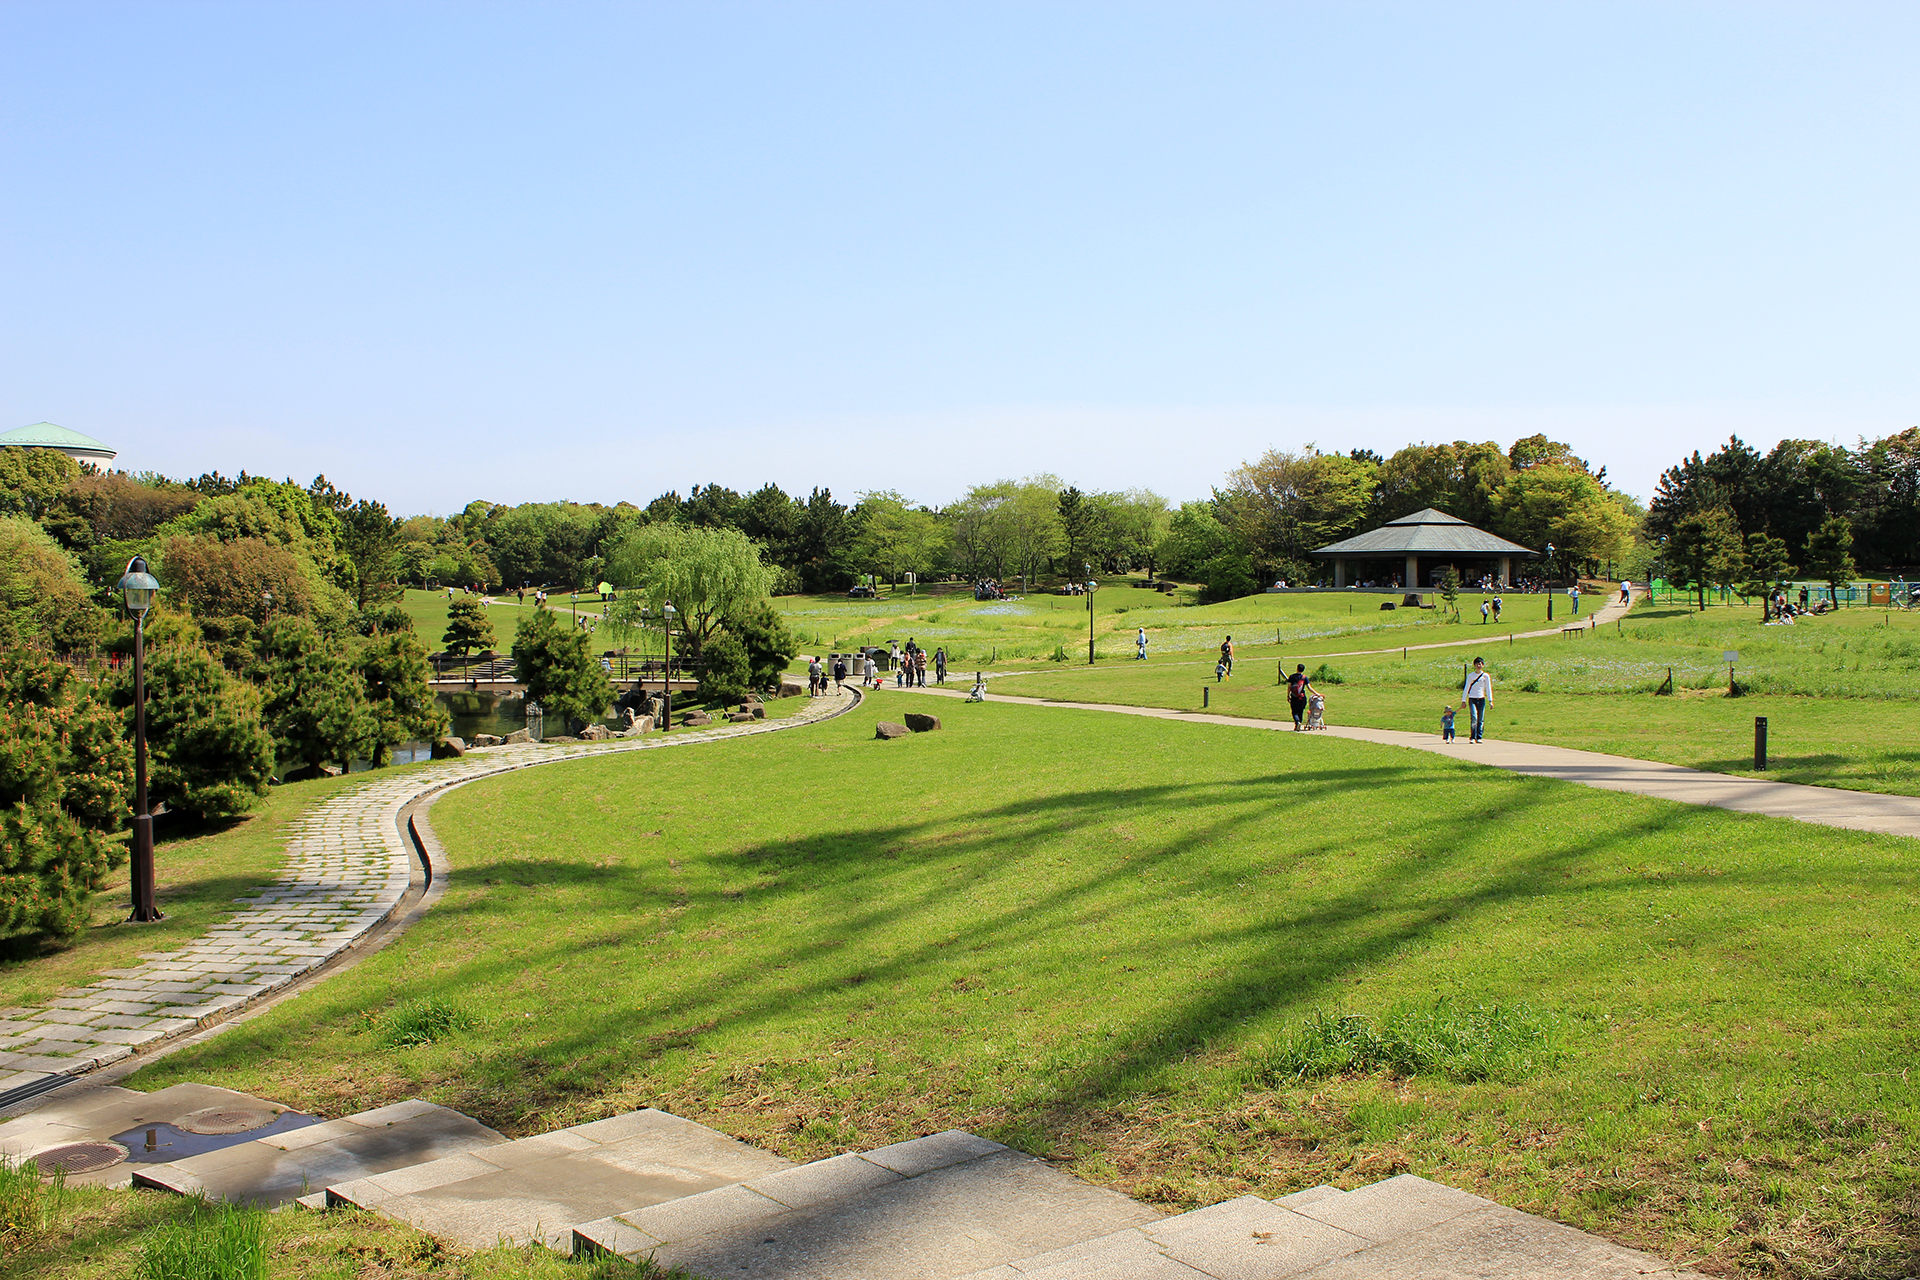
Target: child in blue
1446	723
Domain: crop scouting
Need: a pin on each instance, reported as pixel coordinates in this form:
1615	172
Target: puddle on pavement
159	1143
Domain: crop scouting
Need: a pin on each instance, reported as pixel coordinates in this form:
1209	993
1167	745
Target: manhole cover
80	1157
226	1119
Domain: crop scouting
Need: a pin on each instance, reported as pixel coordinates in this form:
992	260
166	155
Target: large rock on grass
595	733
921	722
740	717
790	688
449	749
696	718
311	773
486	740
888	730
518	735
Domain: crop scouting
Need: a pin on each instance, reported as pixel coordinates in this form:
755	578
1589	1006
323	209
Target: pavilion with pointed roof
47	435
1431	540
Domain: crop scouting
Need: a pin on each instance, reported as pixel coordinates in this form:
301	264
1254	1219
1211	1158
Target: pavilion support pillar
1413	573
1506	571
1339	571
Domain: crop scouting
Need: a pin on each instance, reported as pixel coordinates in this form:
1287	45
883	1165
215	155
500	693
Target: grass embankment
1038	626
86	1233
1106	939
1841	693
198	872
428	609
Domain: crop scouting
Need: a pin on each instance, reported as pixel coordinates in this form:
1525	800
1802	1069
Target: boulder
740	717
696	718
449	749
595	733
644	725
518	735
921	722
888	730
486	740
790	688
758	713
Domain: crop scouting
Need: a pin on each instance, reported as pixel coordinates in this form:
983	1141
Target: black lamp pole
137	588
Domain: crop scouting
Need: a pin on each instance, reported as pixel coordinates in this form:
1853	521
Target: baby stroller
1316	712
979	693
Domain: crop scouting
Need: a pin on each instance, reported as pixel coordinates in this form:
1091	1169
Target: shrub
66	781
422	1021
1324	674
43	594
399	696
1444	1039
726	673
769	644
316	707
1530	685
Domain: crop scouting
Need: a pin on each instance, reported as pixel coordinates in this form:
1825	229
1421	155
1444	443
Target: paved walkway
1828	806
348	869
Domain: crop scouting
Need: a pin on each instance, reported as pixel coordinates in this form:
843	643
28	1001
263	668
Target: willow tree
708	575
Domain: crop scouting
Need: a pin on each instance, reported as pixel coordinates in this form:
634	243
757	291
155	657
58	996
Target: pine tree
66	781
316	705
469	630
399	697
770	646
211	756
1830	554
559	670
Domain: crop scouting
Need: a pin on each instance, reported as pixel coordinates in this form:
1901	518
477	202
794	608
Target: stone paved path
348	868
1828	806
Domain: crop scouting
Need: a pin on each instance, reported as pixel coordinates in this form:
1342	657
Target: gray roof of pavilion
1424	533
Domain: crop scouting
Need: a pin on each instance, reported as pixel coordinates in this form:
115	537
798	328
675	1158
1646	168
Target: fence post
1206	695
1760	744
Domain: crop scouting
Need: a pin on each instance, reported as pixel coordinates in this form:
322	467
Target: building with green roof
1428	540
47	435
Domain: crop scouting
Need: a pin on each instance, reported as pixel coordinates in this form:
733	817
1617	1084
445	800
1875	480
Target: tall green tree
1587	523
43	595
370	541
769	645
1706	547
469	630
559	670
66	782
895	537
32	480
1767	564
1830	554
316	705
211	754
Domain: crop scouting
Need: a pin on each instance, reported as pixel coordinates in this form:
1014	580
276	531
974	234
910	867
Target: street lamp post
1549	582
666	676
1091	587
137	588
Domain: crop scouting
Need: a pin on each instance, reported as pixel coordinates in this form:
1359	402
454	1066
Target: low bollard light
1760	744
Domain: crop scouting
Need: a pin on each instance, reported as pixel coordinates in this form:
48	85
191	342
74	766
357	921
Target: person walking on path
1497	602
1446	723
839	671
940	665
1626	592
1226	655
816	679
1477	694
871	675
1299	689
1140	645
1573	594
1483	613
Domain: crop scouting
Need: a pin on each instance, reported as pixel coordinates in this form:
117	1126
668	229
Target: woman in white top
1477	694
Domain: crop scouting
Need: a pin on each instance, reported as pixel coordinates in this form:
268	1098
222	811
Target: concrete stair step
1405	1228
538	1189
127	1129
926	1209
285	1166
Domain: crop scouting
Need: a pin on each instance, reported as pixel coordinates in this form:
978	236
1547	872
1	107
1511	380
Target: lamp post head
137	586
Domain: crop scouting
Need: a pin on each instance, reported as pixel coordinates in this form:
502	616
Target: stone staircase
951	1206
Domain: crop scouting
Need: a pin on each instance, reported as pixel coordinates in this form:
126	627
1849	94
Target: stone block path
349	867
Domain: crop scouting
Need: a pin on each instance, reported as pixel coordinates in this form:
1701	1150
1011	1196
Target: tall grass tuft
219	1242
1324	674
1485	1042
30	1204
422	1021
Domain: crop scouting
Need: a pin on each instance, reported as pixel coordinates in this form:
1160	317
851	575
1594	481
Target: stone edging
352	864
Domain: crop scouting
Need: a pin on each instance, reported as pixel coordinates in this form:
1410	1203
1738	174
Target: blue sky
589	251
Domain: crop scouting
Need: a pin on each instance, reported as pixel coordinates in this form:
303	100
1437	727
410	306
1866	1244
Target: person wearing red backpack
1299	689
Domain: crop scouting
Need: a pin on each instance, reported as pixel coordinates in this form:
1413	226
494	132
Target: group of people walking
910	666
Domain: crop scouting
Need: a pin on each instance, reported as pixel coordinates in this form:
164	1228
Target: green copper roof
1425	532
48	435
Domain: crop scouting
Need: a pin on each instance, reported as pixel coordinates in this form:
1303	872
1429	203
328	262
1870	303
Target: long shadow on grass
985	882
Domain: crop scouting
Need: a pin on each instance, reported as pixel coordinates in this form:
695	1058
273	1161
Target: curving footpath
1828	806
353	864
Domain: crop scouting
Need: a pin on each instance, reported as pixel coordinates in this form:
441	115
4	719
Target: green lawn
1082	935
1038	626
1841	694
428	609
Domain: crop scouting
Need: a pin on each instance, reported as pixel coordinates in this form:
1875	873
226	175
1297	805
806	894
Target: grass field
85	1233
1841	694
1100	938
428	609
1038	626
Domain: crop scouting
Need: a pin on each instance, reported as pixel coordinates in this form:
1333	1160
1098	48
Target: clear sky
540	251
